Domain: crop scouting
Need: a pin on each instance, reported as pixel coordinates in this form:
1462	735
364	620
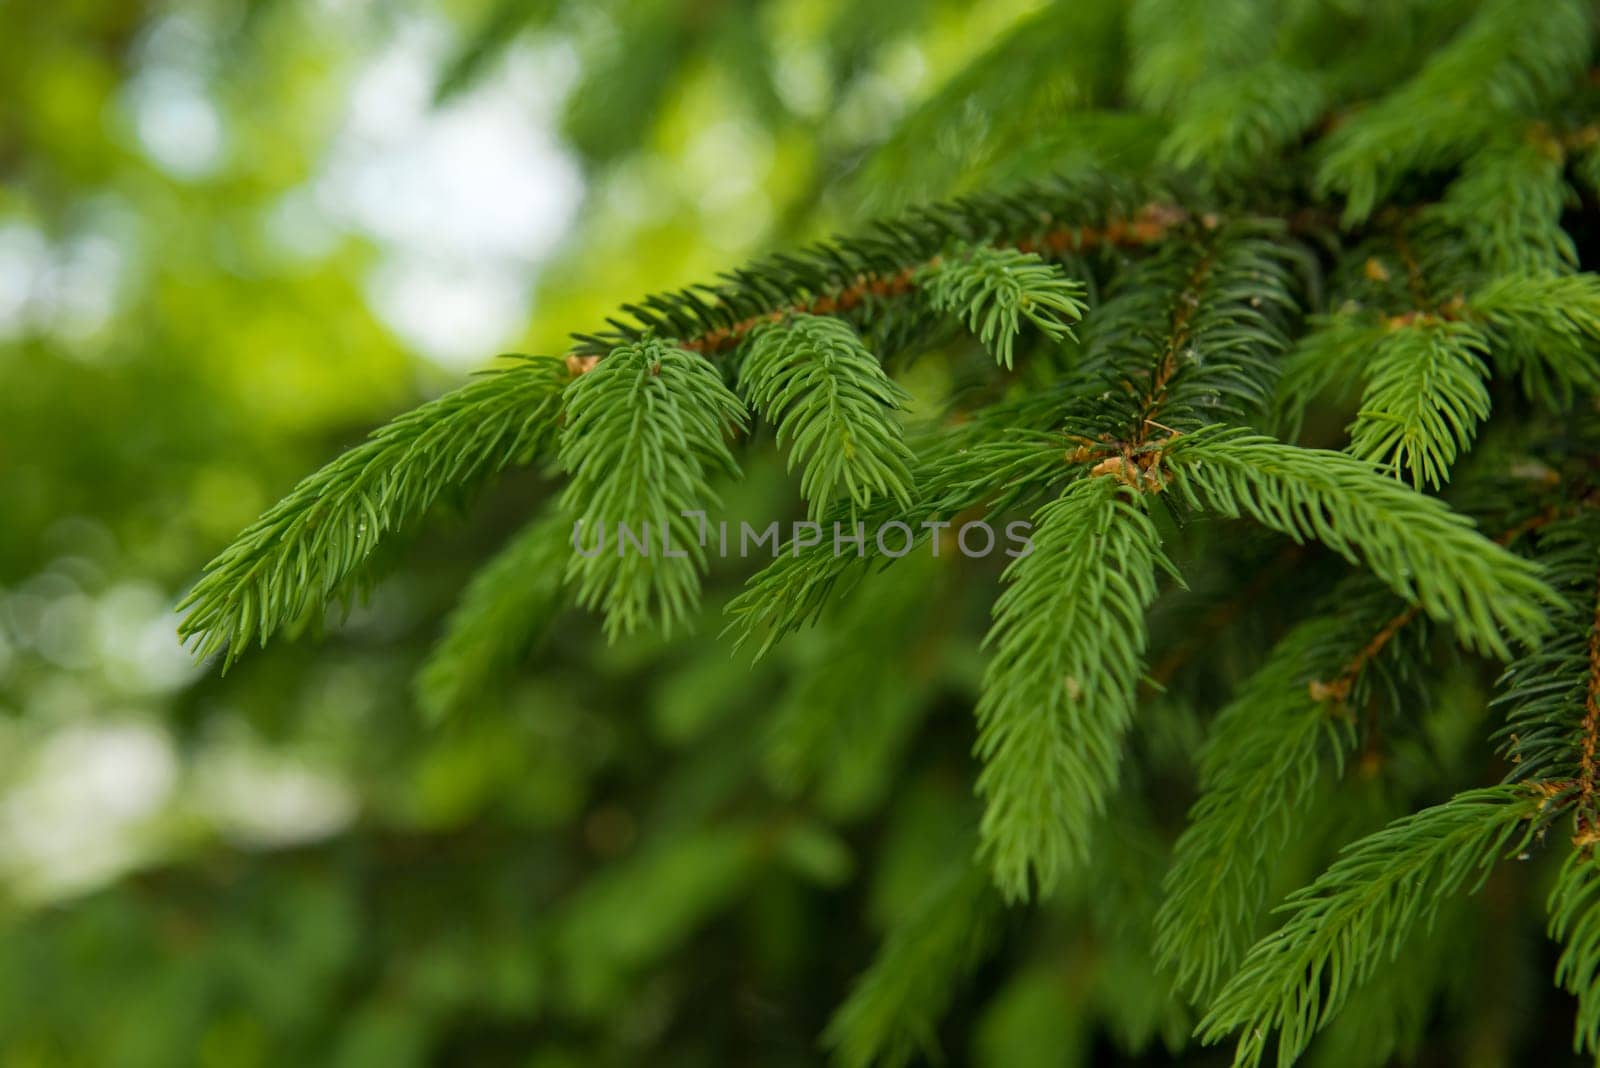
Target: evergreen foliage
1423	550
1504	64
1573	919
502	611
644	433
1358	914
1544	328
1507	204
1424	398
1547	692
833	407
307	549
844	722
893	1011
1256	232
1066	646
992	290
1257	772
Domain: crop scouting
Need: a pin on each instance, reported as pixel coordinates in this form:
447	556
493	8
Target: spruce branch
1358	915
1232	327
645	432
1180	48
1389	1020
1588	832
1422	550
1059	691
1340	688
1552	694
1574	908
865	277
834	408
306	550
1552	735
1544	328
1261	760
1424	369
992	290
1511	58
893	1010
1241	118
1424	398
309	547
1134	343
1506	205
505	607
1192	335
1459	254
1329	356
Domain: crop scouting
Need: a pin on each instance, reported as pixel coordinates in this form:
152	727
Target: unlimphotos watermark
893	539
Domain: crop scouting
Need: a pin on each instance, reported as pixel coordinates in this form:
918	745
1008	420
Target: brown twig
1219	617
1136	461
1338	690
1408	258
1588	833
1150	225
1178	338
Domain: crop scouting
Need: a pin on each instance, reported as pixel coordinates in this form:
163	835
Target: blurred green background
234	236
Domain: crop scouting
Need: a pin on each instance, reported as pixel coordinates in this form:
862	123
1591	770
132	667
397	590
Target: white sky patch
70	289
24	256
466	200
168	101
176	124
134	640
7	657
260	798
456	313
80	292
800	73
73	818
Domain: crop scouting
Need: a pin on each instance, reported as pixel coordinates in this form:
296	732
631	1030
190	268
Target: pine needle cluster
1333	304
